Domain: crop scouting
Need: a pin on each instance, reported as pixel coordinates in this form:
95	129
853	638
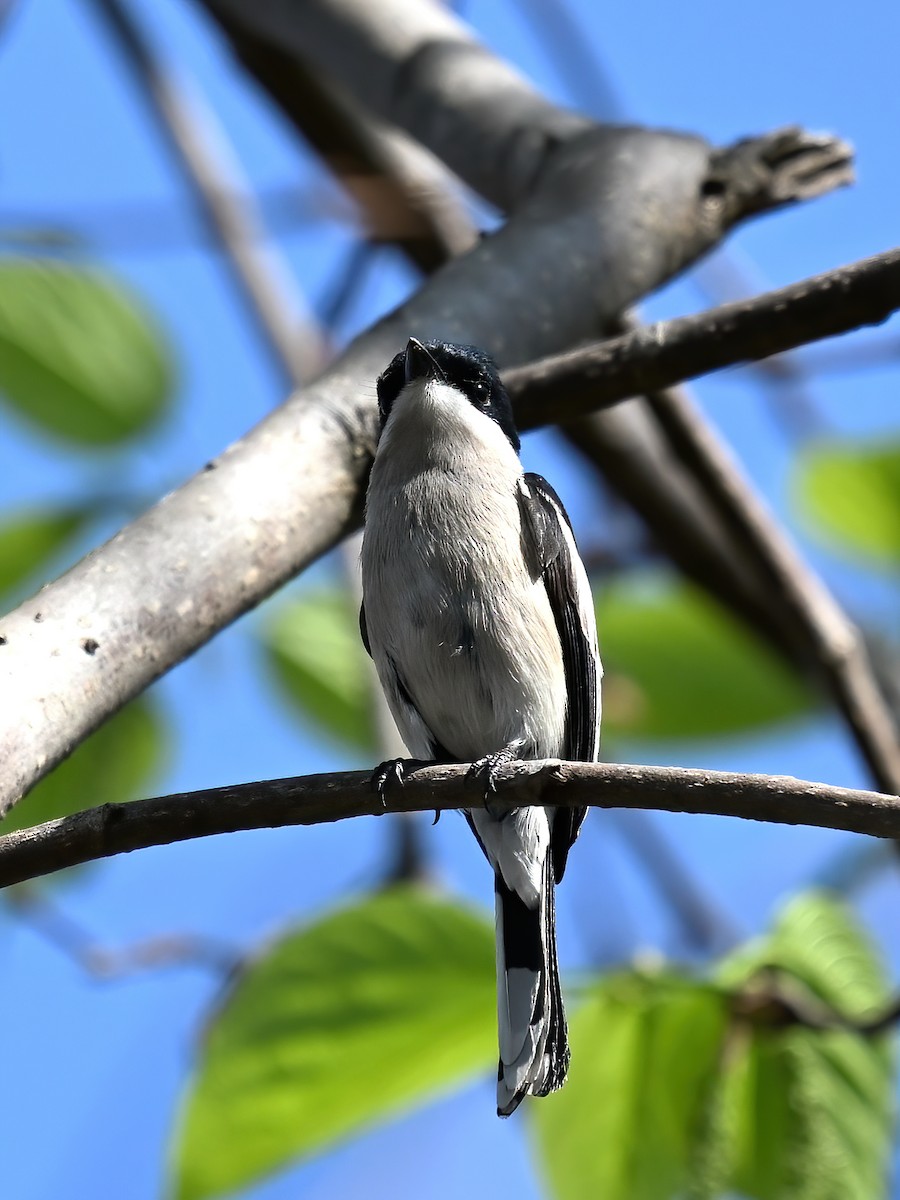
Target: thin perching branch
317	799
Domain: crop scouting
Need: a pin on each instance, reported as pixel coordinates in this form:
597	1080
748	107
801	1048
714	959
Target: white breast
449	602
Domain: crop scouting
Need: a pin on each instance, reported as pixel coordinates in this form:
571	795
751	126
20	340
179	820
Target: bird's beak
418	363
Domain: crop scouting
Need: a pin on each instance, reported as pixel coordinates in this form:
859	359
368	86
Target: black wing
549	548
364	629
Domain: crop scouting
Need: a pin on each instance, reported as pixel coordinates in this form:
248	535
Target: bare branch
34	907
317	799
835	645
775	1000
213	175
656	356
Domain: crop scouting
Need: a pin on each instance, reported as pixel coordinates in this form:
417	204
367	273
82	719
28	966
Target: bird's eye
480	391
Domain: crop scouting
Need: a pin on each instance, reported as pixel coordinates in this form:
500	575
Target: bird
478	615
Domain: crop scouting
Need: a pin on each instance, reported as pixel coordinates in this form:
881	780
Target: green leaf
750	1124
79	357
338	1025
852	495
644	1053
31	538
115	764
671	1094
813	1116
678	666
817	940
813	1109
315	651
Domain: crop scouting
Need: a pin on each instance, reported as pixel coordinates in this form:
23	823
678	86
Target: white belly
450	605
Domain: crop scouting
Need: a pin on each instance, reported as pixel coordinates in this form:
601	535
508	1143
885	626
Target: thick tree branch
656	356
317	799
416	66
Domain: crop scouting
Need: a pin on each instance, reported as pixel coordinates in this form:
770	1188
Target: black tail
534	1049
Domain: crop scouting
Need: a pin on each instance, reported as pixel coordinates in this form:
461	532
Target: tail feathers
534	1049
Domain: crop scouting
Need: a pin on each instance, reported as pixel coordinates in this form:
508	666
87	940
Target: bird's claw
485	770
390	772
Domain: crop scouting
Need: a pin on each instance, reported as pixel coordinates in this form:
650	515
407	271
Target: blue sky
92	1072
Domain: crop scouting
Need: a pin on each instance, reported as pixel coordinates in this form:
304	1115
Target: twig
774	1000
213	174
726	277
317	799
653	357
146	226
43	915
836	646
877	353
345	284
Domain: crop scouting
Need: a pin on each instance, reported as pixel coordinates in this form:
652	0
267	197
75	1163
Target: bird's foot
390	773
485	771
